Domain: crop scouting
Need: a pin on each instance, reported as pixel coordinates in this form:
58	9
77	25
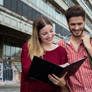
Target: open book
40	69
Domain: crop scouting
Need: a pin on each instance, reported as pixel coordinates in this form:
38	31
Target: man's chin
77	35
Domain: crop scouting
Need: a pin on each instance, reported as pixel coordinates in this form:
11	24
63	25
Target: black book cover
40	69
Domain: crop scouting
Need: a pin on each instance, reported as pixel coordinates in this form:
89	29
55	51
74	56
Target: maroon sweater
57	56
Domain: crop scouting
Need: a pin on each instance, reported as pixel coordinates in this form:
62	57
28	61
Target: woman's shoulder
25	46
61	48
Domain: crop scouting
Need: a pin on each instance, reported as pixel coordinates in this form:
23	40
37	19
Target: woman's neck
48	47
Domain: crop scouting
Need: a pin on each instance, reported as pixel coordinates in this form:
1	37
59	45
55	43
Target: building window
1	2
11	51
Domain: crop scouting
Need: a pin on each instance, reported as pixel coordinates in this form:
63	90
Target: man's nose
76	27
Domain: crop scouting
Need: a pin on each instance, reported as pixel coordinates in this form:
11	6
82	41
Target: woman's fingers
51	78
56	80
65	74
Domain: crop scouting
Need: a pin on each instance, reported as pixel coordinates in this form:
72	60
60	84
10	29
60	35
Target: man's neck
75	39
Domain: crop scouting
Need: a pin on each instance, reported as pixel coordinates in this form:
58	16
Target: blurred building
16	18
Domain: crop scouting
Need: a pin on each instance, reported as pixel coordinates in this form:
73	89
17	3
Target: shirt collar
67	39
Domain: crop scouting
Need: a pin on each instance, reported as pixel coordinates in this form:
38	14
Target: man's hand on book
57	80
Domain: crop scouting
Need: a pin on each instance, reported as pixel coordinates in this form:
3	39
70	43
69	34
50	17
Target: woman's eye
44	33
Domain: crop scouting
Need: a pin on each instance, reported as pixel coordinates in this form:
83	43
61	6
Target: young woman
41	44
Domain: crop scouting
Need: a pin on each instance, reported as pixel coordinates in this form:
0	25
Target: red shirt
82	80
57	56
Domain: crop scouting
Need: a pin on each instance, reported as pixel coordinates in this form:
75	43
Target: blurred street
10	88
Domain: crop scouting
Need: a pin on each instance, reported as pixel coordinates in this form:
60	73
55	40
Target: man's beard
77	36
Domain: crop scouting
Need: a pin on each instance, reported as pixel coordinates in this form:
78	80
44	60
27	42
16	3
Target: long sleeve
25	61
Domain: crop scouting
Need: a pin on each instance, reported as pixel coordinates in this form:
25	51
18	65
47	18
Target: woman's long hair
34	43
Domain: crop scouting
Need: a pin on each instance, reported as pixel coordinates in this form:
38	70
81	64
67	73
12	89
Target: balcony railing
49	9
69	3
89	24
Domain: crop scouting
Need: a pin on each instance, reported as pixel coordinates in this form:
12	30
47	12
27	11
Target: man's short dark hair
75	11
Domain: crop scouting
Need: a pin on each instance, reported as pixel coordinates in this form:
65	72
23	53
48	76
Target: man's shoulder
61	42
91	39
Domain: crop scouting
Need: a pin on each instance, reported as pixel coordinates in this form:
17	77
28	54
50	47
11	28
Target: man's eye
79	23
73	24
76	24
